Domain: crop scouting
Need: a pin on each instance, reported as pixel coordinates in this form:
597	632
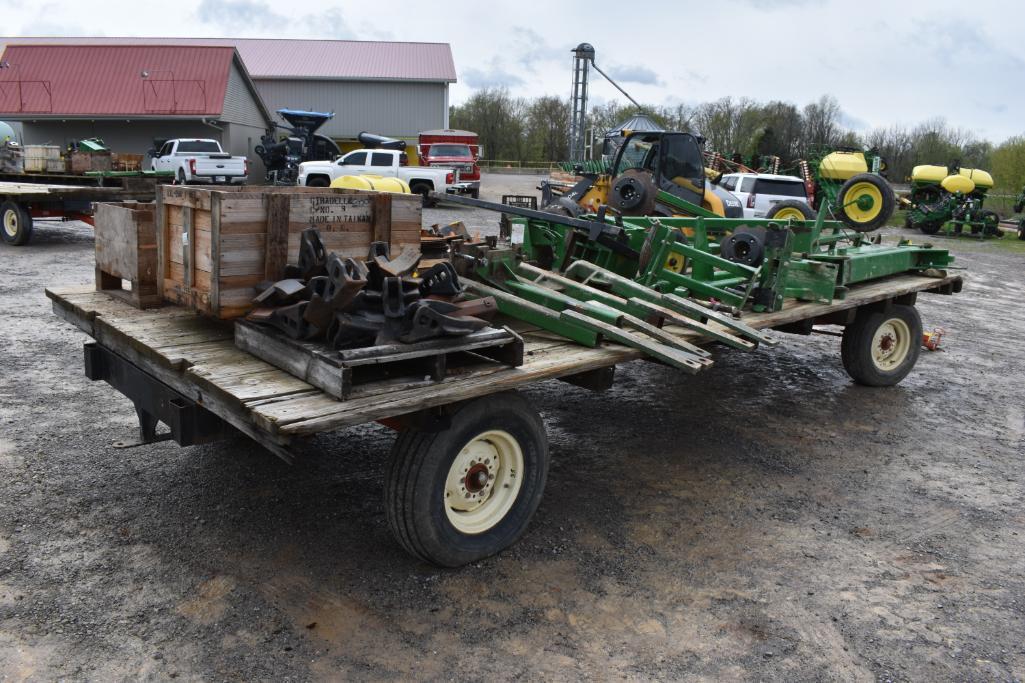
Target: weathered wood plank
276	247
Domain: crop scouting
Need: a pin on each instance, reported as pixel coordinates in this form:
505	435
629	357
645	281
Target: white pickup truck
199	161
383	162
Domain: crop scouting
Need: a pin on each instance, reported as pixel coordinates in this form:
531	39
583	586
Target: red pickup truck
456	149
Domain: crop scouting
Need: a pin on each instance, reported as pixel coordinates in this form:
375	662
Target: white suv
758	192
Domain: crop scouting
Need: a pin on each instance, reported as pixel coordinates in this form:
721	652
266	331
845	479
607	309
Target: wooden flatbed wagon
467	438
23	201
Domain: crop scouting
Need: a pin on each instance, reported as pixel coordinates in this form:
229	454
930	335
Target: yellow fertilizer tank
958	183
842	165
929	174
982	179
966	180
376	183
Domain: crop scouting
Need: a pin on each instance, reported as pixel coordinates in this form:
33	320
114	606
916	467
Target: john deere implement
594	276
951	196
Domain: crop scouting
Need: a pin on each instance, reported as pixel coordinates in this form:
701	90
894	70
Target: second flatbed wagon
469	465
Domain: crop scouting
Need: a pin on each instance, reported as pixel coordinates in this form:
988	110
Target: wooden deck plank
197	357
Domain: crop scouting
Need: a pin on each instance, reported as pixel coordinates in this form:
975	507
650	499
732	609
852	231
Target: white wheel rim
11	223
891	344
483	482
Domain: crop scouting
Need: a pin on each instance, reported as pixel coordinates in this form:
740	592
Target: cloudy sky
885	61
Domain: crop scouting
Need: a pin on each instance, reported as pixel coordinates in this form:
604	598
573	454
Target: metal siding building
375	106
391	88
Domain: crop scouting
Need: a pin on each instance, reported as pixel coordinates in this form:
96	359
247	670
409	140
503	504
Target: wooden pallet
339	372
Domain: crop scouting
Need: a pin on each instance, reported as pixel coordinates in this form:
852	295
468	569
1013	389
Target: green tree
547	129
1008	163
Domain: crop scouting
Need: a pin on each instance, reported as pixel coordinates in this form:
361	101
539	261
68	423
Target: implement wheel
880	347
930	228
15	224
991	224
865	202
790	208
468	491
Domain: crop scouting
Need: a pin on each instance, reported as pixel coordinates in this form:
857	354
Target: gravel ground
765	520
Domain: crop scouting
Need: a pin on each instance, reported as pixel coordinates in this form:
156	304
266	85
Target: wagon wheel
880	347
15	224
468	491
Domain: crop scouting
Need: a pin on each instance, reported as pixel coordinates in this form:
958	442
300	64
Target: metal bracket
189	422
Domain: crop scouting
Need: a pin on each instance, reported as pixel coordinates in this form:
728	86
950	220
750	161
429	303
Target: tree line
537	130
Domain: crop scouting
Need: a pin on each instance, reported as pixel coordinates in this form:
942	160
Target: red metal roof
267	58
114	80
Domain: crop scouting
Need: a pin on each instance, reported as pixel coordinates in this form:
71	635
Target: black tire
318	181
788	206
424	190
1021	229
181	177
991	224
858	352
15	224
415	484
844	207
930	228
475	194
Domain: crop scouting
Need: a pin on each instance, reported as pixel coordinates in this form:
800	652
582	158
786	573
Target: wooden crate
125	162
83	162
215	245
39	158
126	250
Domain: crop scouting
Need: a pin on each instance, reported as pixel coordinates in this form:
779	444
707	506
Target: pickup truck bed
197	358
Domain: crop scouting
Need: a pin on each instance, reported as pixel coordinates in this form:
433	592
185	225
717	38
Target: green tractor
942	195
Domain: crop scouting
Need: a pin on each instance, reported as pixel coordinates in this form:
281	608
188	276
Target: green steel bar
521	309
630	289
669	356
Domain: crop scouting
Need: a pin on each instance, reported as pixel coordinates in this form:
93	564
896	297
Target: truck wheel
424	190
181	177
317	181
475	194
880	348
865	202
15	224
790	208
470	490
